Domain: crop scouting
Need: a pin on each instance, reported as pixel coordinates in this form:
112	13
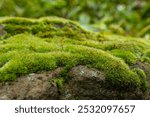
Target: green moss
127	56
59	82
141	73
147	53
41	45
45	27
146	56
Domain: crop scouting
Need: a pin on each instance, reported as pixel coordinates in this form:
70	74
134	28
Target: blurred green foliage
125	17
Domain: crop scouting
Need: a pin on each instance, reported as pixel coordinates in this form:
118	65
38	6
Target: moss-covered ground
33	45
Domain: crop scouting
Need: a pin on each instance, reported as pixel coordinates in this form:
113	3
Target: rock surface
89	83
32	86
84	83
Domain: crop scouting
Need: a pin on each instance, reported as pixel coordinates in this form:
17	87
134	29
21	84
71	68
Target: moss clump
44	27
144	84
127	56
40	45
147	53
59	82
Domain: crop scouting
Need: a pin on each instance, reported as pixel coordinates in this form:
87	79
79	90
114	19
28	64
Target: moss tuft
44	27
127	56
59	82
142	76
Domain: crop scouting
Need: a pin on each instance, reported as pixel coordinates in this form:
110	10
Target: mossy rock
34	45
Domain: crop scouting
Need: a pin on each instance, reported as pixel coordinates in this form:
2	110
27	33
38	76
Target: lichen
33	45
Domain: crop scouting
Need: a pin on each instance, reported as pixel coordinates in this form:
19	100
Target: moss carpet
34	45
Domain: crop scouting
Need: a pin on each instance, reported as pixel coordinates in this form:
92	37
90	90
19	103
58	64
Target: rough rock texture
33	86
84	83
89	83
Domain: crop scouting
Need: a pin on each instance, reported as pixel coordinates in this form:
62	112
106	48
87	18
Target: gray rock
33	86
84	83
